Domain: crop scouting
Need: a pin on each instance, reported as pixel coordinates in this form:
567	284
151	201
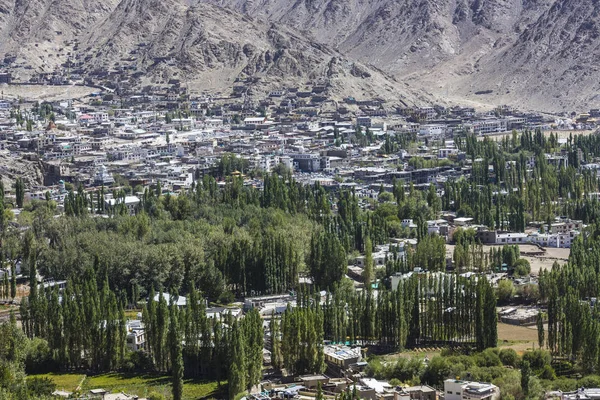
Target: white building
464	390
100	117
342	356
511	238
136	335
446	152
580	394
131	203
486	126
431	129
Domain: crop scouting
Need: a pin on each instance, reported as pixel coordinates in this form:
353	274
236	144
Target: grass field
140	385
518	338
67	382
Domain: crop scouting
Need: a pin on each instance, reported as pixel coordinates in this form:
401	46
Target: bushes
37	387
488	358
38	358
437	371
138	361
498	366
509	357
155	396
506	291
547	373
538	359
522	267
404	369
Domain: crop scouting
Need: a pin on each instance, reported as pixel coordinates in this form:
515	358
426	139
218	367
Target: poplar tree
368	270
276	360
5	284
525	373
20	192
253	333
237	366
540	329
176	354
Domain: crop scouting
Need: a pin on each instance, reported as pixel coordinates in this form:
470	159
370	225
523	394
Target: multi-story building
455	389
136	335
487	126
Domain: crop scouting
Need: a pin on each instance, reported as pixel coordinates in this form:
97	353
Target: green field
67	382
140	385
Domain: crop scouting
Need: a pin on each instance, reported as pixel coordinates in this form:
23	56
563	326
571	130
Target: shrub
155	396
487	358
38	387
509	357
538	359
547	372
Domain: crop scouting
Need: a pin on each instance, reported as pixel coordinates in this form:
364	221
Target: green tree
540	329
253	333
276	356
525	374
237	362
176	354
20	192
506	290
319	395
327	259
13	281
368	270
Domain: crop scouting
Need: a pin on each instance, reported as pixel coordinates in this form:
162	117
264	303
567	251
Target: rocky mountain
537	54
38	31
213	47
203	45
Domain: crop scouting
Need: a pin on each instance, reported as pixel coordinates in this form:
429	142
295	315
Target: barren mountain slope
400	36
552	64
31	30
534	53
210	47
205	45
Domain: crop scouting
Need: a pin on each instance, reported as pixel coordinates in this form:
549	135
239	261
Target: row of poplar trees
438	309
570	293
86	328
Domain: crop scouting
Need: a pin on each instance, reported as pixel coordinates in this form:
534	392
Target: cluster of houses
373	389
171	136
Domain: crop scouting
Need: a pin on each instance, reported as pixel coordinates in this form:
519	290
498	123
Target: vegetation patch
67	382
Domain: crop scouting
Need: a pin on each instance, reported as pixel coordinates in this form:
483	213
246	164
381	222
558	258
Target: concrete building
455	389
342	356
307	162
582	394
488	126
136	335
131	203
